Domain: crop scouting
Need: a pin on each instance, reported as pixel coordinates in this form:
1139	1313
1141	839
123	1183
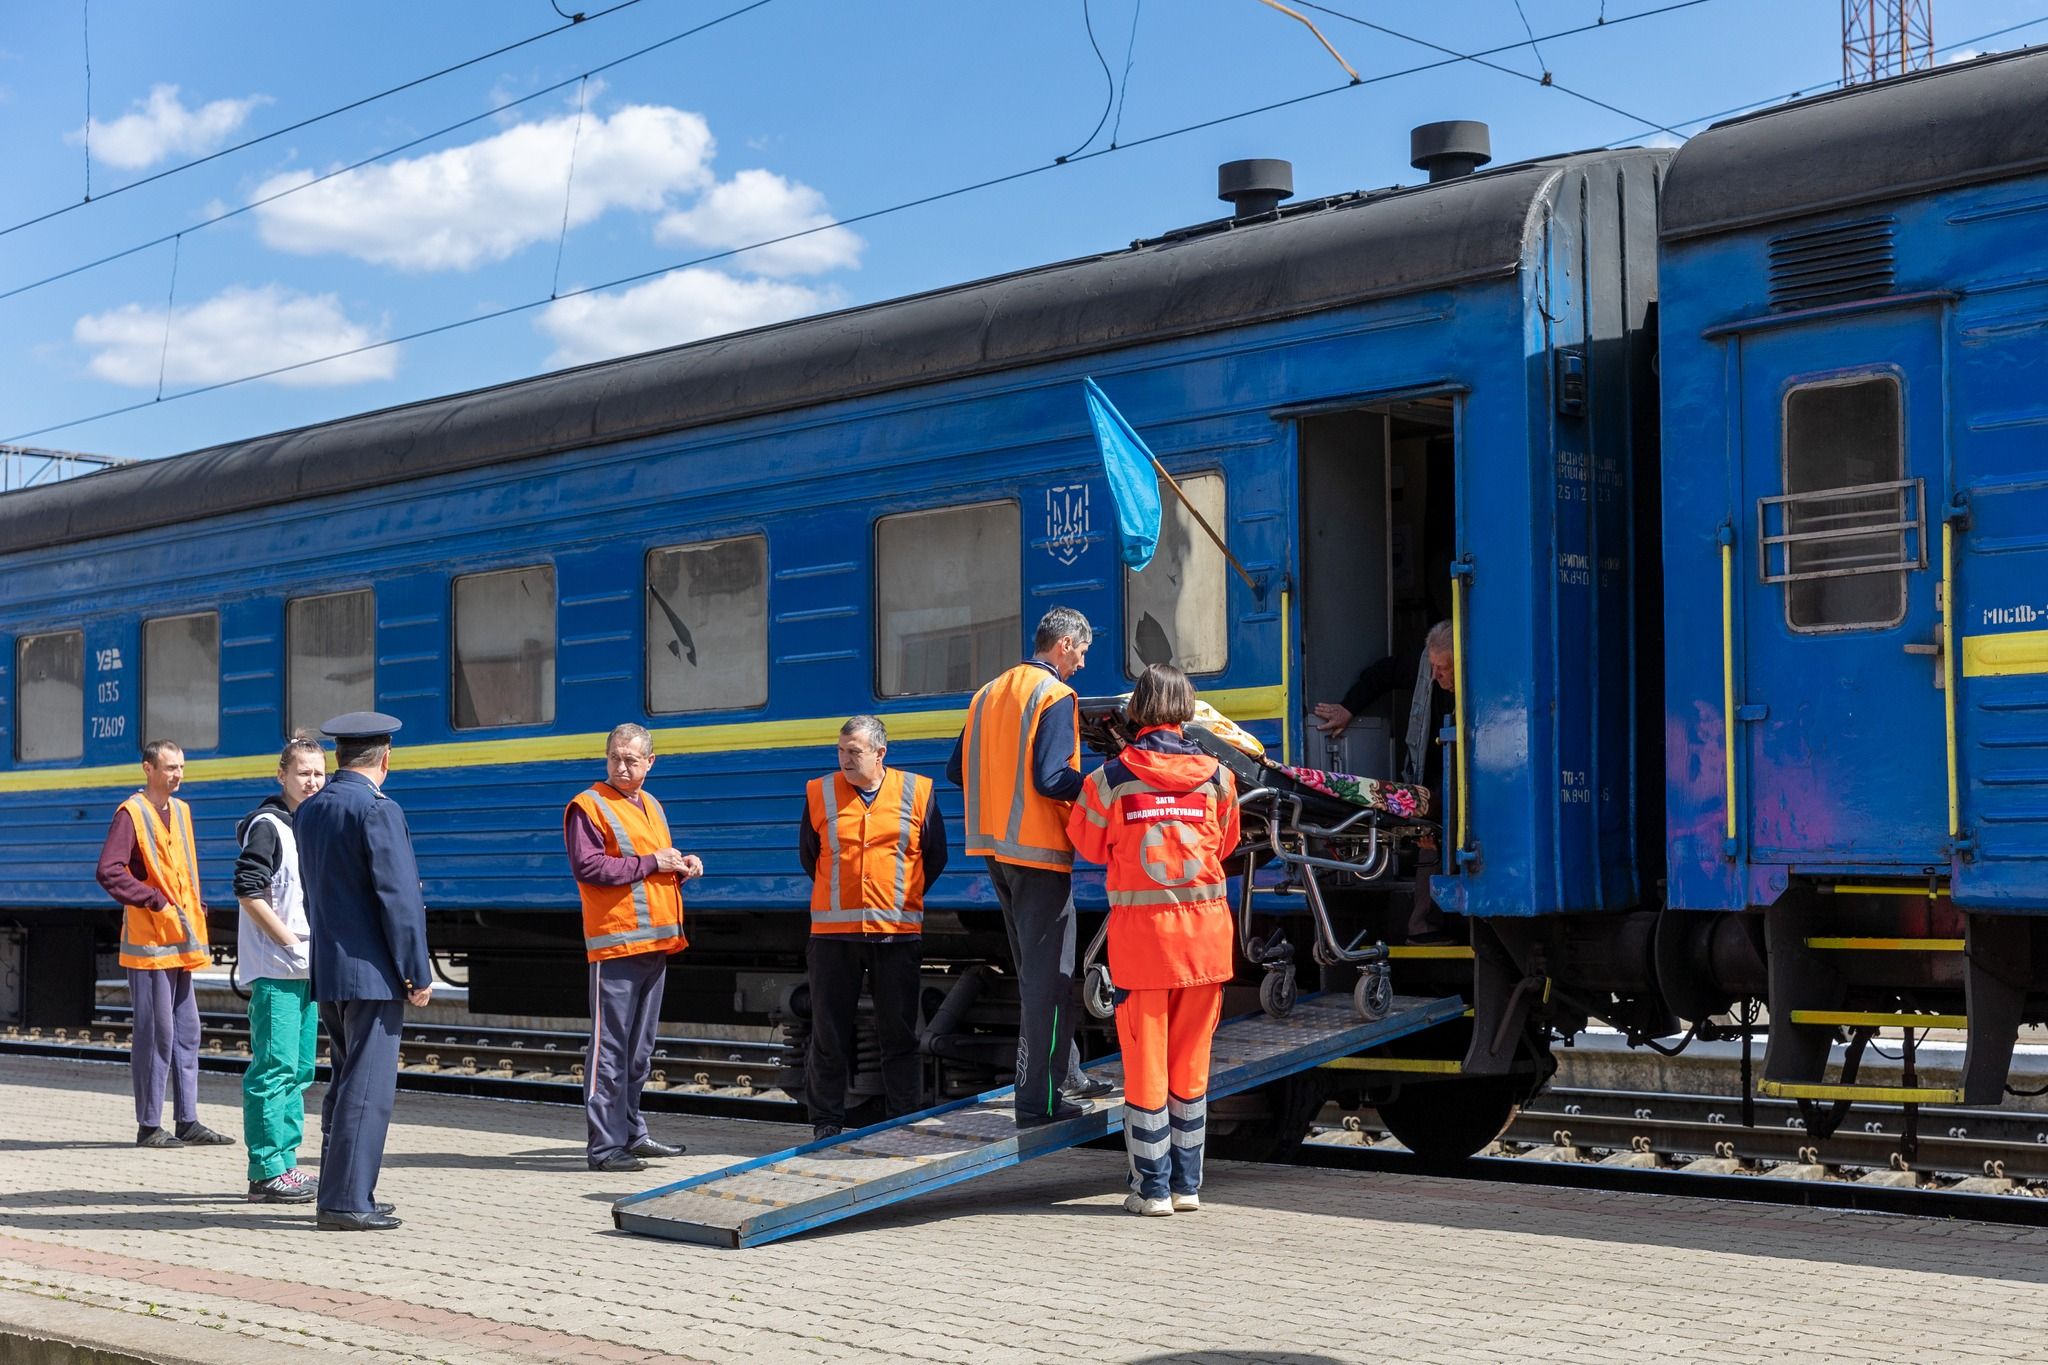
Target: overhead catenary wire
1825	83
406	146
307	122
1546	79
870	215
1124	86
1108	100
87	13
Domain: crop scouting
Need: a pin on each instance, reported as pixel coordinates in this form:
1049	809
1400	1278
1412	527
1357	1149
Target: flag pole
1201	520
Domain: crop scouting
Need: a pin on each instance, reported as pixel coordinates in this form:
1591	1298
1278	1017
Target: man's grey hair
629	733
1059	624
868	729
1438	640
361	753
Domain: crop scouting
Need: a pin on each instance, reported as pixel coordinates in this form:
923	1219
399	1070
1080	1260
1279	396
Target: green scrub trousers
283	1037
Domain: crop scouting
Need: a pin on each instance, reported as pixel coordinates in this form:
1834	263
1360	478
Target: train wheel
1292	1106
1443	1122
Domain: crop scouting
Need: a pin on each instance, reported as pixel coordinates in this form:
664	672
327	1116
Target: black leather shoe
197	1134
372	1221
821	1131
1092	1089
624	1161
1059	1115
156	1137
384	1208
648	1147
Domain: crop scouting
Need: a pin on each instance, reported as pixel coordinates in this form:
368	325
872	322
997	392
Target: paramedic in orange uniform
872	841
1160	817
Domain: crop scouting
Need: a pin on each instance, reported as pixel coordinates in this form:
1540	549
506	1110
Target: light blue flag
1133	484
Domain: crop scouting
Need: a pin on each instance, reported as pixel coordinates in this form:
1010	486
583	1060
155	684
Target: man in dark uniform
369	959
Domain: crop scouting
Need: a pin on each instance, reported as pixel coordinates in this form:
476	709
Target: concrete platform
508	1258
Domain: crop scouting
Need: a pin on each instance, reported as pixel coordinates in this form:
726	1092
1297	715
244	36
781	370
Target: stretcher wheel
1098	993
1277	992
1373	996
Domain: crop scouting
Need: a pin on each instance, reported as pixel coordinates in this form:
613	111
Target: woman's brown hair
1163	696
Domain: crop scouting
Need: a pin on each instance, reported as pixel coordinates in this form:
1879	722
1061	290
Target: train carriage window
1175	611
181	680
330	657
49	696
948	589
505	648
707	626
1844	471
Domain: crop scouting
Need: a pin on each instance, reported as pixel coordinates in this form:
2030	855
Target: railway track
720	1078
1989	1165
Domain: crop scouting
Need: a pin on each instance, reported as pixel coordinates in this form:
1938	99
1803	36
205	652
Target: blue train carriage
1855	353
740	542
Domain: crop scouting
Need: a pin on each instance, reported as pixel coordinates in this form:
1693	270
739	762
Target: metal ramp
807	1187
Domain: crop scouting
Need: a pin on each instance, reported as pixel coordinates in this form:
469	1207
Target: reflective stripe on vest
981	839
907	795
191	924
645	934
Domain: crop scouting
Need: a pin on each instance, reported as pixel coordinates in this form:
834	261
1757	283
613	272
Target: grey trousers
165	1044
1038	913
625	1012
362	1043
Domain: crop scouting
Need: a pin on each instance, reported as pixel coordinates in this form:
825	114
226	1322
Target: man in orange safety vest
1019	763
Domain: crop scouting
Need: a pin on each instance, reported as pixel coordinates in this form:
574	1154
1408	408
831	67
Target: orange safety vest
870	873
175	936
644	916
1007	819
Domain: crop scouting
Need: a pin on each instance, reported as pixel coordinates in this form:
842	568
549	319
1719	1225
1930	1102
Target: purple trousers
166	1044
625	1011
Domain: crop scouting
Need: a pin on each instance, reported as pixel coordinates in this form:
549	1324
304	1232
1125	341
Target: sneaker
1148	1208
308	1183
279	1189
821	1131
156	1137
197	1134
1089	1089
1187	1203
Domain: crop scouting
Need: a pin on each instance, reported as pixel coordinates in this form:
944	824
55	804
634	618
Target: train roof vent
1832	264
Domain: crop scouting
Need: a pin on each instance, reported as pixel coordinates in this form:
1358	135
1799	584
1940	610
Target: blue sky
792	114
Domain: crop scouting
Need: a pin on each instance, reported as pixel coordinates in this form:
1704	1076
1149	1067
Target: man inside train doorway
1422	757
1019	763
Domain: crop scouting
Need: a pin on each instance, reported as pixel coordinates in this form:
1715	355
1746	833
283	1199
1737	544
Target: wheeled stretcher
1313	825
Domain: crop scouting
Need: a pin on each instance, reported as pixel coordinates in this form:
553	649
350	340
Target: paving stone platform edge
36	1330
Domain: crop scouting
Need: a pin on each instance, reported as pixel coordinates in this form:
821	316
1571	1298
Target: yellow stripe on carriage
1240	704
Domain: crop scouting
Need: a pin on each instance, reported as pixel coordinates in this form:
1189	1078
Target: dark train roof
1953	125
1313	256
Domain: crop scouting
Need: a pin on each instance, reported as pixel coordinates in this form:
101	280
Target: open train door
1840	678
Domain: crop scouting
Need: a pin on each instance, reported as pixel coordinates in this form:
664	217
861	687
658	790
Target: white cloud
161	126
757	206
483	202
1967	54
683	305
1663	139
240	331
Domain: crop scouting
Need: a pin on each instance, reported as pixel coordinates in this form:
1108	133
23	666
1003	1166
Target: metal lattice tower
1883	38
27	466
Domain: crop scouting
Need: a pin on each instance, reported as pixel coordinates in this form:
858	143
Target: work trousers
1424	919
1166	1036
892	966
164	1044
625	1013
284	1031
362	1045
1038	913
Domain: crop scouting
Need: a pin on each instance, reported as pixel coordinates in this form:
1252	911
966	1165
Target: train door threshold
820	1183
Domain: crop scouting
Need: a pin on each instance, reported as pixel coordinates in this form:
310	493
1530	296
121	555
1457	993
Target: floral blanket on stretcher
1395	798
